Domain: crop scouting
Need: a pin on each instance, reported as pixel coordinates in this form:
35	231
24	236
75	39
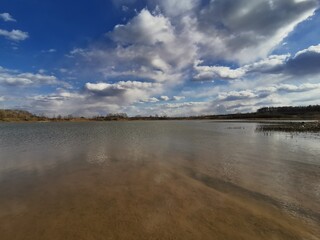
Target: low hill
9	115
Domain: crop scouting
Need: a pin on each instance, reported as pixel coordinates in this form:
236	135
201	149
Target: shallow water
157	180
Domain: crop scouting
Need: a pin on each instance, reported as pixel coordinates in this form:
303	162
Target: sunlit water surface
157	180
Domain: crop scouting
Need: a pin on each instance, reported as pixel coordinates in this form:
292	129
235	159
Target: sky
165	57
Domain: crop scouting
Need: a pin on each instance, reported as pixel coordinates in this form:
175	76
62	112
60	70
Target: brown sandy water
157	180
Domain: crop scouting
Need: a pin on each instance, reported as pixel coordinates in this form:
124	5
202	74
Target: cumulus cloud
14	78
263	92
245	30
301	88
102	98
178	98
150	100
147	47
234	95
304	62
159	49
314	49
110	88
163	45
95	98
179	109
15	35
204	73
61	102
123	92
274	95
271	64
145	29
7	17
58	97
164	98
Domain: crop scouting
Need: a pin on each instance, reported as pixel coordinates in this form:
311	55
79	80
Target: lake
157	180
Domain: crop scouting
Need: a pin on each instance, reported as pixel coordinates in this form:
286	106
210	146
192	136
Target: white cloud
14	78
204	73
150	100
123	92
15	35
96	99
162	47
7	17
315	49
164	98
158	50
145	28
245	30
184	109
122	85
102	98
304	62
147	48
248	100
301	88
61	102
234	95
177	7
175	109
27	79
272	63
178	98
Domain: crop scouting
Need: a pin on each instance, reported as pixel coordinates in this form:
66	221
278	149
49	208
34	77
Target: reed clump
291	127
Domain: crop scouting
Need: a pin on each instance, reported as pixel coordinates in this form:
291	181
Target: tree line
290	109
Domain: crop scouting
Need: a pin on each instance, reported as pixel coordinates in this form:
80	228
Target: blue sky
187	57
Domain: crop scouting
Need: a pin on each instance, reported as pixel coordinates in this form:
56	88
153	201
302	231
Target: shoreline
254	120
302	113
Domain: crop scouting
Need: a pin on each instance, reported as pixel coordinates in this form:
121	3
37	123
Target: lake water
157	180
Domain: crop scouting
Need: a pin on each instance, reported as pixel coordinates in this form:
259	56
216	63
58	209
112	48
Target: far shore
274	115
